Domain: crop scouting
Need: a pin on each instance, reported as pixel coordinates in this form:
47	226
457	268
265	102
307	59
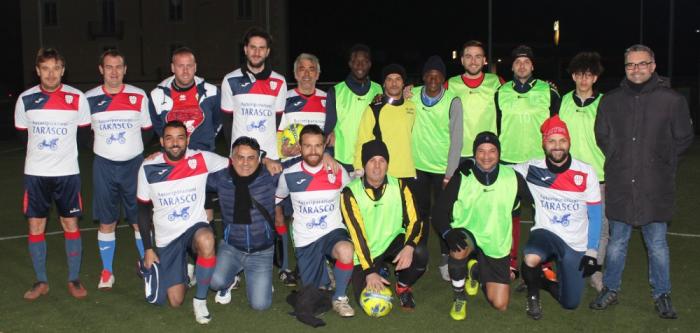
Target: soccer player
380	214
49	117
189	99
390	119
578	110
119	115
319	233
346	102
436	142
474	215
567	220
171	191
247	200
305	105
253	96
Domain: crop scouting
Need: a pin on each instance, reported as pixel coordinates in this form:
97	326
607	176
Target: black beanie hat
523	51
374	148
436	63
486	137
393	69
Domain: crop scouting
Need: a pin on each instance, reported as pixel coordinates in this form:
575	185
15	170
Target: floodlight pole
490	37
670	38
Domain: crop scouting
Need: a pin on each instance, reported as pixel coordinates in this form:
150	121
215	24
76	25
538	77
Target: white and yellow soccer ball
376	304
291	133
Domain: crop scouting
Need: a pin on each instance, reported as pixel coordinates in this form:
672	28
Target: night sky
408	34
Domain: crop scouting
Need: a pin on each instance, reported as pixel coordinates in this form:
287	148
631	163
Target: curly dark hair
586	62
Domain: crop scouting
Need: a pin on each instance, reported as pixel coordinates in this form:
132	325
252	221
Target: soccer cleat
38	289
106	280
341	305
76	289
223	296
406	300
201	313
190	276
472	284
605	298
533	307
459	309
664	307
288	278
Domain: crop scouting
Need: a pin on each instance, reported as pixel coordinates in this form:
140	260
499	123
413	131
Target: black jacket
642	134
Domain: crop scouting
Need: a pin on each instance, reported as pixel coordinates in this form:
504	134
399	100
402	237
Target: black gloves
588	265
456	239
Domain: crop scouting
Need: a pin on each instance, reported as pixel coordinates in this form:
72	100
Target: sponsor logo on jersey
297	103
563	220
320	223
74	210
301	181
182	214
161	172
101	103
182	97
544	179
244	84
38	100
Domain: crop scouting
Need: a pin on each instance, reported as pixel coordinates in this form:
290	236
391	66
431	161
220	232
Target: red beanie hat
554	125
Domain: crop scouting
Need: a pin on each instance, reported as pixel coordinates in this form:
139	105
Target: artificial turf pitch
123	310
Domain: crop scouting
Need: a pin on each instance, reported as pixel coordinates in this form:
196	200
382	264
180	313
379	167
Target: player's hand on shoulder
273	167
330	163
152	156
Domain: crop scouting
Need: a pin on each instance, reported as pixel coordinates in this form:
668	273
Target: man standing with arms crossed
49	117
346	102
119	115
642	127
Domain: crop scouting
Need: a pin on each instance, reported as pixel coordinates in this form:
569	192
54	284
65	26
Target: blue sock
37	250
107	243
74	252
203	270
342	272
139	244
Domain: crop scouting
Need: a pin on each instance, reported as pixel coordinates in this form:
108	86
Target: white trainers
224	296
341	305
201	313
106	280
190	275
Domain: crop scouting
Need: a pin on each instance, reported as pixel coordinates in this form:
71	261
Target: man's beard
254	65
174	157
474	73
552	158
308	157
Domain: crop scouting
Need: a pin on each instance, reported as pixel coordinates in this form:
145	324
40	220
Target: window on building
175	10
109	18
245	10
50	13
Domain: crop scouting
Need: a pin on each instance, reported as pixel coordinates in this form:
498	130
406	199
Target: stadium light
454	54
556	33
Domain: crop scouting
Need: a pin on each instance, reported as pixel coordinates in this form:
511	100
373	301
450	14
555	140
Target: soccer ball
376	304
291	133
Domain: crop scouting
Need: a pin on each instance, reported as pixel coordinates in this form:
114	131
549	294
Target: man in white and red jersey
253	96
119	115
568	216
51	116
171	193
305	105
318	229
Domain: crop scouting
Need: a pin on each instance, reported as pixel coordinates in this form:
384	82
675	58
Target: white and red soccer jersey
304	110
254	104
177	191
117	121
561	199
315	195
52	120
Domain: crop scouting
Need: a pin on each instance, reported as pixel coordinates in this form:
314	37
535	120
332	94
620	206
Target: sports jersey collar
302	95
375	194
430	101
311	169
264	75
524	87
110	95
50	92
588	100
473	83
486	177
392	101
173	163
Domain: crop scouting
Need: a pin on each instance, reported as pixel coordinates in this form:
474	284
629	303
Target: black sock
458	273
552	287
532	277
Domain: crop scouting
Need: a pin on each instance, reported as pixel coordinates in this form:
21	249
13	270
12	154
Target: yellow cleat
471	285
459	309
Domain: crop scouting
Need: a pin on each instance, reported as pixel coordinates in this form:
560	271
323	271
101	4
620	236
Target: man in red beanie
568	214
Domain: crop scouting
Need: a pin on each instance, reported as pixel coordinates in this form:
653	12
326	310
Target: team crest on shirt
132	99
273	85
578	180
192	163
69	99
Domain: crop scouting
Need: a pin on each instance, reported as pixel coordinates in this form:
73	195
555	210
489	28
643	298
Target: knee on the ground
260	305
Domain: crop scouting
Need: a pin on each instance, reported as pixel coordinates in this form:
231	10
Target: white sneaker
236	282
190	275
201	313
444	272
224	296
341	305
106	280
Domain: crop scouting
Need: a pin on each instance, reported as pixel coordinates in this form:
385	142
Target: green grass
123	309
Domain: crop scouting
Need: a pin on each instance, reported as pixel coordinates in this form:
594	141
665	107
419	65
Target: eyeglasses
642	65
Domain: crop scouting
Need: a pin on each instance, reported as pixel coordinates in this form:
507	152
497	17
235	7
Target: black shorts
496	270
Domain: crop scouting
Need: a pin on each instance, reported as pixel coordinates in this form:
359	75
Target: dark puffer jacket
642	134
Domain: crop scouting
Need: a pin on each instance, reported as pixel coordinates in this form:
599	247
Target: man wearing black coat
641	127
